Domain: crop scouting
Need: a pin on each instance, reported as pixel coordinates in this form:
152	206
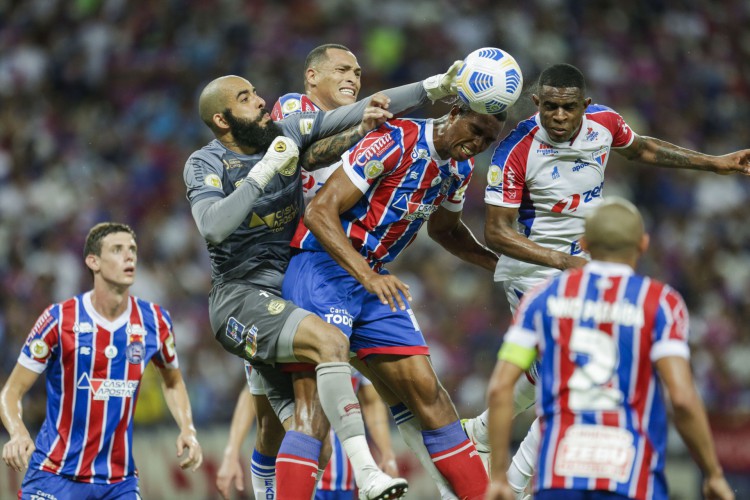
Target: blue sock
401	413
262	465
447	437
300	445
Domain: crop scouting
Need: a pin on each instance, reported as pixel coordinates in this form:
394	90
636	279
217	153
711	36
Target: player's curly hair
561	76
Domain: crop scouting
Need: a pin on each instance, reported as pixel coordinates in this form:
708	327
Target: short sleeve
42	343
166	357
203	179
378	153
671	325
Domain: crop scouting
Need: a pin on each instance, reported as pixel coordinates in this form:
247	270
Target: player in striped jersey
393	181
94	348
607	339
544	178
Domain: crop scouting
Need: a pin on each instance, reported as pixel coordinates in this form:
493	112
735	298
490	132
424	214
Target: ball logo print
490	80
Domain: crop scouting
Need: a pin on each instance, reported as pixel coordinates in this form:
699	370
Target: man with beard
247	205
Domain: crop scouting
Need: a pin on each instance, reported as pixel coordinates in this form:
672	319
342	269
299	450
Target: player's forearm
178	402
500	405
657	152
11	411
460	241
242	420
217	218
514	245
329	150
692	424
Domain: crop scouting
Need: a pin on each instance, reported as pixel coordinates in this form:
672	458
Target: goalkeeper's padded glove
442	85
281	154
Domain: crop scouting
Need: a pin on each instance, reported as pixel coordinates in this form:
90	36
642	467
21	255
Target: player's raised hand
282	154
443	84
717	488
187	440
230	470
376	113
388	288
735	163
17	451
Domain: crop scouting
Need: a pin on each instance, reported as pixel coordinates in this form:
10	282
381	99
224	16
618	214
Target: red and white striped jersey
94	367
553	185
404	182
598	331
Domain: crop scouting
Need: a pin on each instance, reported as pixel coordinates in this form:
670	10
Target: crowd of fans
98	114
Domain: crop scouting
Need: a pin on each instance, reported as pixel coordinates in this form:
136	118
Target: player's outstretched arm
329	150
337	196
657	152
692	424
502	237
447	228
178	402
18	450
230	470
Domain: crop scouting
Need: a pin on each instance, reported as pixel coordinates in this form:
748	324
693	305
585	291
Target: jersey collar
609	268
100	320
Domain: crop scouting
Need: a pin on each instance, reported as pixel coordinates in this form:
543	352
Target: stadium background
98	114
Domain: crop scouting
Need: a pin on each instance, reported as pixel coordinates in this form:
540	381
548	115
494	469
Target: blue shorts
562	494
335	495
42	485
315	282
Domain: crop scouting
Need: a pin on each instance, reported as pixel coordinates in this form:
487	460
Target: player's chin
345	99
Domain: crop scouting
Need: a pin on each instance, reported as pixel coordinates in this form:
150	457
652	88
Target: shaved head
217	95
615	231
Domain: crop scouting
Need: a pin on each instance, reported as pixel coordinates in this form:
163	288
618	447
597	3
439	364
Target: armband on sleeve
522	357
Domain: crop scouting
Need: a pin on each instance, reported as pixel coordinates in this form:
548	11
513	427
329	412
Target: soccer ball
489	81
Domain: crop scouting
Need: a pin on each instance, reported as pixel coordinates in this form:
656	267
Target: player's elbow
213	236
684	402
499	391
495	237
314	215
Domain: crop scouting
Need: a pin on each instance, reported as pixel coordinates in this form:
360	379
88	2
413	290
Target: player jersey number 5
595	357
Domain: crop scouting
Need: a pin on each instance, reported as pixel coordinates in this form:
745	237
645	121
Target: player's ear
535	99
311	76
586	102
643	245
92	262
220	121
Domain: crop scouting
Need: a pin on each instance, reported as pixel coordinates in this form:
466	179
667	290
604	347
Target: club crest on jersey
494	175
134	352
600	155
234	331
251	342
373	169
212	180
446	185
276	306
83	327
39	348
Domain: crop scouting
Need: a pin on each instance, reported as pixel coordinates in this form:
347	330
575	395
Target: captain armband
522	357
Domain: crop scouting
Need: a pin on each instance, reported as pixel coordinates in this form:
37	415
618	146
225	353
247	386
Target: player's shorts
335	495
561	494
42	485
315	282
253	323
277	387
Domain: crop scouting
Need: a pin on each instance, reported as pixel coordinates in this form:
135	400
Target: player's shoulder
211	153
146	306
290	104
594	108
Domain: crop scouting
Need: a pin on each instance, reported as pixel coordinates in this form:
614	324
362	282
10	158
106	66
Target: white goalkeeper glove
281	154
443	84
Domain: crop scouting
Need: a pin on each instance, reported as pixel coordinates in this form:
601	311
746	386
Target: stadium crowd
98	103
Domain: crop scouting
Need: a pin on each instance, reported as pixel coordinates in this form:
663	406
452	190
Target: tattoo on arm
658	152
326	151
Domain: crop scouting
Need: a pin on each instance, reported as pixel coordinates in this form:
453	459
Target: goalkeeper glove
281	154
443	84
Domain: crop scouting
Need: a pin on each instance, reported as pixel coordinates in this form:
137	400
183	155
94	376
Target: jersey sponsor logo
600	155
494	176
571	203
39	348
595	451
42	323
446	185
104	388
83	327
419	154
377	148
591	134
276	306
42	495
251	342
373	169
234	330
579	165
275	221
85	350
231	163
545	149
413	211
622	313
212	180
306	126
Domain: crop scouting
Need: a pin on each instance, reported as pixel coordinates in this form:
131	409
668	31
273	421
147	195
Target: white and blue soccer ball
490	80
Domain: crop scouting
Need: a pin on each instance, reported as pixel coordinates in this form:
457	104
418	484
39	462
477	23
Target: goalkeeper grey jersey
248	229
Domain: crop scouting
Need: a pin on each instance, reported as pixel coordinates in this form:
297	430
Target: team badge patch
235	329
276	306
212	180
169	343
134	352
39	348
373	169
251	342
494	176
291	106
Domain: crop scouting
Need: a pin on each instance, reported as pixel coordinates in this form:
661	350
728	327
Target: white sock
411	432
264	487
523	465
359	455
317	483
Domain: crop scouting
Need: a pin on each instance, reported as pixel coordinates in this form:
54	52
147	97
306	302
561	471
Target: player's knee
330	343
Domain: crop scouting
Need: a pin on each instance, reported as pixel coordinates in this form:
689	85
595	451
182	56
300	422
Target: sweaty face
117	260
256	133
335	81
561	111
468	135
